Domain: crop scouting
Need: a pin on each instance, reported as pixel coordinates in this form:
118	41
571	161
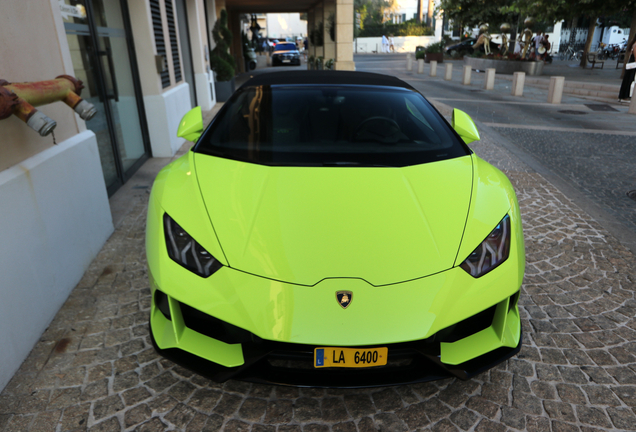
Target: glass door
102	53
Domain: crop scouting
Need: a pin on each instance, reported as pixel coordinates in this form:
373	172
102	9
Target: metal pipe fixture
21	98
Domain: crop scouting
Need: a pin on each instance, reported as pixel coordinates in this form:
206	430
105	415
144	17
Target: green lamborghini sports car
331	229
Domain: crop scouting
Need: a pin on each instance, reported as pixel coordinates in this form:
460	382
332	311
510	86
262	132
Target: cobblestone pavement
94	368
576	155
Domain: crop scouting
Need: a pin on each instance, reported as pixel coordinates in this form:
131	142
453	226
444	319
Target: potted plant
434	51
221	62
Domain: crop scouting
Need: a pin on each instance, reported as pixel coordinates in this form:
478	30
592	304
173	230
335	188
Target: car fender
492	198
176	192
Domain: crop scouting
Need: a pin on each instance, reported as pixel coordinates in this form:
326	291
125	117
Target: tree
556	10
472	13
389	9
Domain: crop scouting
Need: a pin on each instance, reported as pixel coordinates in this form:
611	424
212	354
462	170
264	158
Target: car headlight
491	252
185	251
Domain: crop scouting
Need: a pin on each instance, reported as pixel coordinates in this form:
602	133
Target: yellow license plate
350	357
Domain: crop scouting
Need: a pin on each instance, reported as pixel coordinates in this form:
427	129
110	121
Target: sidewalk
596	84
94	368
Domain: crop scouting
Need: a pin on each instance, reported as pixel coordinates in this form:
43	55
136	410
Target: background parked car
466	47
285	53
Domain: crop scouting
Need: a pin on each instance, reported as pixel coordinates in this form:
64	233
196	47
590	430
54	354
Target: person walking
628	78
538	40
385	44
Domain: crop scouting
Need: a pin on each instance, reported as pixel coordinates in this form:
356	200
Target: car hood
286	52
304	224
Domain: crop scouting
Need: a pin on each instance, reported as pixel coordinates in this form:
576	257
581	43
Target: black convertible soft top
325	77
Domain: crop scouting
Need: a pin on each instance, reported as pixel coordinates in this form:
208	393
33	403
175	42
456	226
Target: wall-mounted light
162	63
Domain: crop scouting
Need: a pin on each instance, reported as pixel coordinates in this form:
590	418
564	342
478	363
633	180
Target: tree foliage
374	20
471	13
407	28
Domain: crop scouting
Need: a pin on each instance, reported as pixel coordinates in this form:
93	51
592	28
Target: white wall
164	112
55	218
401	43
284	25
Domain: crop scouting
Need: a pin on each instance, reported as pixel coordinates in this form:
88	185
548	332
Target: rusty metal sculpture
505	29
527	36
21	98
484	39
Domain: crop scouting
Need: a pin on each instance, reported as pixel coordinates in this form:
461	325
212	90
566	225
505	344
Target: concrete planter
507	67
224	90
438	57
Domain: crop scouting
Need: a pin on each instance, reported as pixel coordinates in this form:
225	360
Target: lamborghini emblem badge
344	298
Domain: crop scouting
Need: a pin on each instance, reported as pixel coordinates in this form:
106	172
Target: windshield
285	46
330	126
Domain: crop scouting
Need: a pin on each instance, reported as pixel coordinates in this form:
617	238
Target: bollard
632	105
433	68
467	72
449	72
409	62
420	66
555	90
489	82
518	79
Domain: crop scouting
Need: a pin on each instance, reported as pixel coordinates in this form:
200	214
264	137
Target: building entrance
100	41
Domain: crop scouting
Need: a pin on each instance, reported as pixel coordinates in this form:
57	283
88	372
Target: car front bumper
265	331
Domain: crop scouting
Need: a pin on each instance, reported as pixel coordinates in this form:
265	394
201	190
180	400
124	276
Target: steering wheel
381	129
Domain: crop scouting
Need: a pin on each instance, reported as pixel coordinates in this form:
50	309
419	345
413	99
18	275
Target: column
329	18
319	24
200	54
344	35
311	22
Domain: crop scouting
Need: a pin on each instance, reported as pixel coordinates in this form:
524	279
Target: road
587	148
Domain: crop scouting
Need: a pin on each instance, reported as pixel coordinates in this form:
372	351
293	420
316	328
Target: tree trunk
419	11
632	33
429	12
588	42
573	25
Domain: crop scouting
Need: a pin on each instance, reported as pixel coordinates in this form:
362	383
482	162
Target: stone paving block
343	427
414	416
137	415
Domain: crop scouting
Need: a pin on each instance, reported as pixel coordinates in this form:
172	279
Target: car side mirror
465	126
191	125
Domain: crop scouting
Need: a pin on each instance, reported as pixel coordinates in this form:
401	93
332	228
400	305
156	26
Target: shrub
317	35
221	61
436	47
407	28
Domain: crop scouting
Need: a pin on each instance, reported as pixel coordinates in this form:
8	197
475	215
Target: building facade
143	64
